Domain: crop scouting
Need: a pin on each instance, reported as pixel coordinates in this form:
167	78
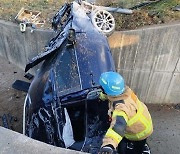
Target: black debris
29	76
177	8
21	85
177	106
5	121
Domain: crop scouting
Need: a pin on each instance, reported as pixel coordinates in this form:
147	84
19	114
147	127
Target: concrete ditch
128	47
148	58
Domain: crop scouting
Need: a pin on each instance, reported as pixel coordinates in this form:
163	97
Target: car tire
103	21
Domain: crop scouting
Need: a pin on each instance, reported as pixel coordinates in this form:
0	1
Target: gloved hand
102	96
108	149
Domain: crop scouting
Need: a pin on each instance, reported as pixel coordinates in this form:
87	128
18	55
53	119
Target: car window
66	71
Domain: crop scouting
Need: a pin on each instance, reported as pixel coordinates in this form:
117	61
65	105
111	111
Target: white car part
67	131
24	112
103	21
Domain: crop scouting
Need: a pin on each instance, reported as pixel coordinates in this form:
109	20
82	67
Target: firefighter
131	120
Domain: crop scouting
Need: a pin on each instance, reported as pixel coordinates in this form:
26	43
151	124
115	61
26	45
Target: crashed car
62	107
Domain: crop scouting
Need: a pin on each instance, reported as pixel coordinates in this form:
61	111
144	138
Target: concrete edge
16	143
141	28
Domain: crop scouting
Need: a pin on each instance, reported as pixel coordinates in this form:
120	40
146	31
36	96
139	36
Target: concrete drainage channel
165	119
166	137
11	106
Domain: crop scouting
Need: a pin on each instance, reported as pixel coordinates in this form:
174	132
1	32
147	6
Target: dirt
11	100
158	13
166	136
9	9
136	20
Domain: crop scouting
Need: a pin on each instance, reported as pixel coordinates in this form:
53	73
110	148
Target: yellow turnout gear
136	115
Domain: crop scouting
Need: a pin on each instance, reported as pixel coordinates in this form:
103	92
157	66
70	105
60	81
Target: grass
156	13
164	10
10	8
160	12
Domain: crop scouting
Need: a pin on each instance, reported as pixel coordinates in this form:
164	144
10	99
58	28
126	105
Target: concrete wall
147	58
20	47
149	61
14	143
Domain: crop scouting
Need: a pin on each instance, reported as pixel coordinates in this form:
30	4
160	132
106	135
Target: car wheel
103	21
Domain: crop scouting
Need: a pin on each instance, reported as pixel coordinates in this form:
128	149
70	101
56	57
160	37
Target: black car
62	107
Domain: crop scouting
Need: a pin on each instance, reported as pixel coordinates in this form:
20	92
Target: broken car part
29	76
143	4
101	16
21	85
22	27
29	18
5	121
176	8
92	7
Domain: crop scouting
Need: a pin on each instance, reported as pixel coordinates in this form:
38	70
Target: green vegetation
164	10
10	8
160	12
157	13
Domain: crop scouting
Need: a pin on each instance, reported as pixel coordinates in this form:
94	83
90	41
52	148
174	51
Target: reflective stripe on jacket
138	120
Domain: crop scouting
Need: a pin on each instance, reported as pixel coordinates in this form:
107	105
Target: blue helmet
112	83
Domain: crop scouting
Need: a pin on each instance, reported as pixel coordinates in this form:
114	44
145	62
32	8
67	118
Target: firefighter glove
108	149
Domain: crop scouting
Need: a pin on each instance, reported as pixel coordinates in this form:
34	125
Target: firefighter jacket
130	119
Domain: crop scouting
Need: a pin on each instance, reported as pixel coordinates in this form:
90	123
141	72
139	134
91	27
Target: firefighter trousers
131	147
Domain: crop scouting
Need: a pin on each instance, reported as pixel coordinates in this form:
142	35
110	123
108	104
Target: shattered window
66	71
